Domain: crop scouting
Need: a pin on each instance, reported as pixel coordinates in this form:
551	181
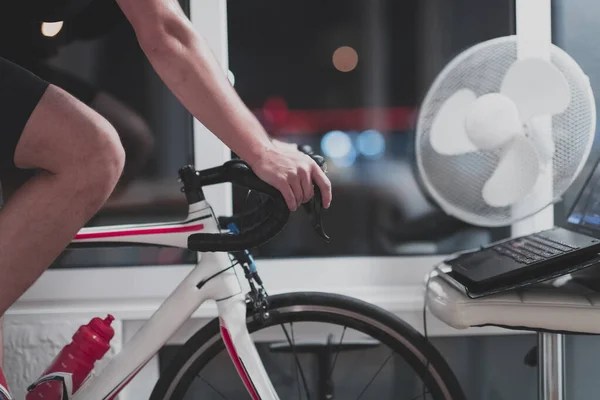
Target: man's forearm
187	65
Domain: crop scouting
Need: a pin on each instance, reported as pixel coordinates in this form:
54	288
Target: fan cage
456	182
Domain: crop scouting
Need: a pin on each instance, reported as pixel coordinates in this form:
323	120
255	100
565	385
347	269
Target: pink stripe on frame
135	232
238	363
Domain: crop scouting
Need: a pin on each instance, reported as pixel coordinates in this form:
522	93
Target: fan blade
492	120
515	176
448	134
537	87
541	139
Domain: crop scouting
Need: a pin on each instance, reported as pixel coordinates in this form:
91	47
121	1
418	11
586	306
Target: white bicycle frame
213	278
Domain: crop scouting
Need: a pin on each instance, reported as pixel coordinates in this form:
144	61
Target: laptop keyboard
533	248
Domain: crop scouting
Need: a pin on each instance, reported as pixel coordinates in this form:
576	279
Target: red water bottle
75	362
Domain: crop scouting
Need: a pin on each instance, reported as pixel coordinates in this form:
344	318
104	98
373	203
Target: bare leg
1	344
81	159
134	132
11	182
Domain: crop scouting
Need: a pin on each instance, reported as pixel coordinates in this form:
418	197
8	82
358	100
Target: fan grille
456	182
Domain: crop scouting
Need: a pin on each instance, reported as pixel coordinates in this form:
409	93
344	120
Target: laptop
573	244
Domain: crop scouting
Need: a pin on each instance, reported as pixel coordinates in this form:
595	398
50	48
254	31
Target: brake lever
314	207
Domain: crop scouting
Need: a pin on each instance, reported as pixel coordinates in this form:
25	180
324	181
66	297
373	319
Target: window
574	32
95	56
346	77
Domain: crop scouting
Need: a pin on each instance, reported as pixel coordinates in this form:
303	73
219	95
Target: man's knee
64	136
101	147
104	158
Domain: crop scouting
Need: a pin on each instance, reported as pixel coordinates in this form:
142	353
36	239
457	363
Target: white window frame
210	19
534	34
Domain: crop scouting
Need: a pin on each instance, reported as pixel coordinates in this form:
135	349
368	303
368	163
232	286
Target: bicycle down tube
213	278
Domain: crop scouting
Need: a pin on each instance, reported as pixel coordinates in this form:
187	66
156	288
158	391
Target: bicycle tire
316	306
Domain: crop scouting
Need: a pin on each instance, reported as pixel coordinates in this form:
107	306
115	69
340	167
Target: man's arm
186	64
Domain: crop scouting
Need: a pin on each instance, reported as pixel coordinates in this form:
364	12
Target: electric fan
500	137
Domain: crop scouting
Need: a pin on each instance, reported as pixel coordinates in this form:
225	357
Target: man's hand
292	173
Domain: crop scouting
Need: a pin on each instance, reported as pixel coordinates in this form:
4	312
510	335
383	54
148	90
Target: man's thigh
20	92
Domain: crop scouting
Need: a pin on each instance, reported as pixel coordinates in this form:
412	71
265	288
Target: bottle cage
65	378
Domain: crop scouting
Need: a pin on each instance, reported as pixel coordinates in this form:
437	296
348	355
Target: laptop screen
586	211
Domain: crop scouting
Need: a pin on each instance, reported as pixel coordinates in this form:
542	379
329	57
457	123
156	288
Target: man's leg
80	159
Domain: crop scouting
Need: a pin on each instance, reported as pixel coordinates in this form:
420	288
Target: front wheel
340	338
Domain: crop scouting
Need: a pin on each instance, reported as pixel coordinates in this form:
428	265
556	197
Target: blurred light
371	143
231	78
51	29
336	144
275	110
345	59
347	160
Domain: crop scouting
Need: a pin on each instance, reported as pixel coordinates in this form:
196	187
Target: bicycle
221	247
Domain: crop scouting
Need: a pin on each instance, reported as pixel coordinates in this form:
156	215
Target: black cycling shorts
20	92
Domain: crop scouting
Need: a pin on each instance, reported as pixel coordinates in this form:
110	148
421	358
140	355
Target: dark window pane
346	77
576	35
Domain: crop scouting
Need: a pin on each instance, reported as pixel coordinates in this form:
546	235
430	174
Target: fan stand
534	37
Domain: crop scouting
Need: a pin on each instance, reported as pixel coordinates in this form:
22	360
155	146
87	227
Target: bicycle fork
241	349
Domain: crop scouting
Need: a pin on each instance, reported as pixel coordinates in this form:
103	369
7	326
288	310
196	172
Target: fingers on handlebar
297	190
288	194
318	175
323	183
307	185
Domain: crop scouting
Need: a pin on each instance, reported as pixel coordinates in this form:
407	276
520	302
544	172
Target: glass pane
95	56
347	77
576	33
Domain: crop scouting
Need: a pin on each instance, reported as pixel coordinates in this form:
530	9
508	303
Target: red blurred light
275	110
294	122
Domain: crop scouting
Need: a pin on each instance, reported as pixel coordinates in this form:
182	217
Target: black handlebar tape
264	221
248	218
239	173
